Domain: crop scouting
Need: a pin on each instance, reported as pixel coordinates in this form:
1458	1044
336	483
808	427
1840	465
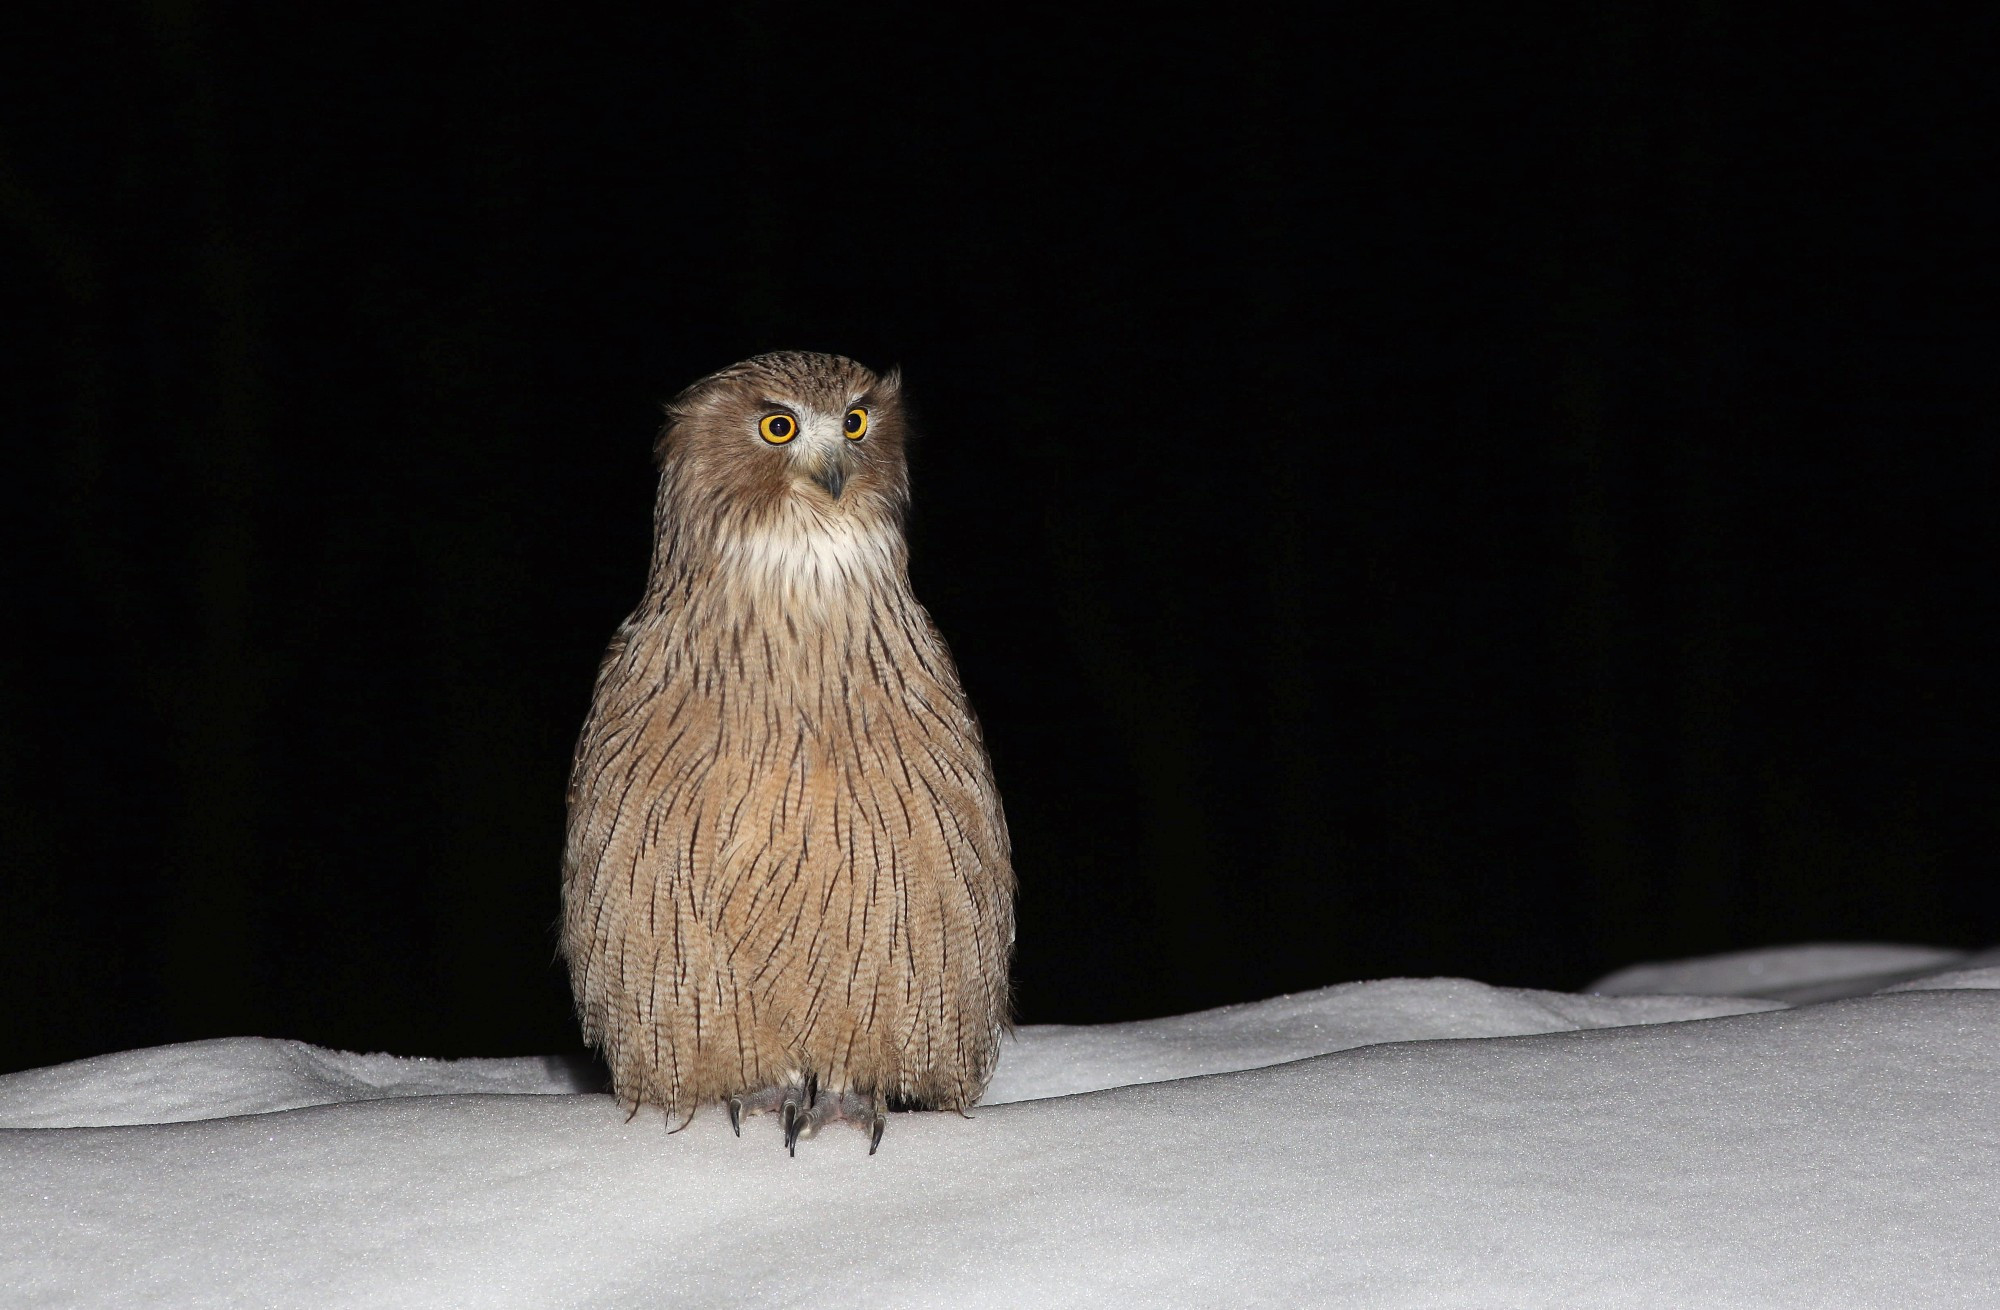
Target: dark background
1497	491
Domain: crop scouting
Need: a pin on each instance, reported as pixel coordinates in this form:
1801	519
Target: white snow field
1807	1126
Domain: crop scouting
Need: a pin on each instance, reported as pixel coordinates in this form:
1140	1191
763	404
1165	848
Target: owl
787	885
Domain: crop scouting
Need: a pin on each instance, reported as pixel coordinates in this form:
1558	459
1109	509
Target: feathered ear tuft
891	383
675	413
683	406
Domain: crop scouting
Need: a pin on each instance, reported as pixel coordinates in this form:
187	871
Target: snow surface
1429	1142
1788	973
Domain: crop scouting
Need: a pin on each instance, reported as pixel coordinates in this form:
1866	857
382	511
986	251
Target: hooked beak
832	475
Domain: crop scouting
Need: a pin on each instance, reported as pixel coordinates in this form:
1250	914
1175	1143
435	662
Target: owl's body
787	880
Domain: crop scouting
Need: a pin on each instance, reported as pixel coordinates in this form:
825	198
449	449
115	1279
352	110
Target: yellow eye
856	424
777	428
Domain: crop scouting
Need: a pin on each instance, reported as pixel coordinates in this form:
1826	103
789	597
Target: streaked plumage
787	882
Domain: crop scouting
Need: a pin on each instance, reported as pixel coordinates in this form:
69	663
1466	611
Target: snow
1790	973
256	1075
1431	1142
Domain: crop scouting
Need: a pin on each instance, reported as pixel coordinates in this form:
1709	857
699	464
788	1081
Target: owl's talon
807	1105
793	1121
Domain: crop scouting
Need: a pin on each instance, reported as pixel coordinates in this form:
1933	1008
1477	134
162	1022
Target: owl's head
783	458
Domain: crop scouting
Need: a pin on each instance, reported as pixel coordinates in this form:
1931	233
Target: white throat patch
809	557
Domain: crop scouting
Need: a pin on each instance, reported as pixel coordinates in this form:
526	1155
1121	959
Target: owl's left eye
855	425
778	428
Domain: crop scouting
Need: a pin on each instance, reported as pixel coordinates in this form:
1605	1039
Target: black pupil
854	421
780	426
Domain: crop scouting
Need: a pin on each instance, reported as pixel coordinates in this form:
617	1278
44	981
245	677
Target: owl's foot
803	1108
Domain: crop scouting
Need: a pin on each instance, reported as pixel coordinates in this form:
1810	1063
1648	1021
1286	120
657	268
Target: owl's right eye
777	428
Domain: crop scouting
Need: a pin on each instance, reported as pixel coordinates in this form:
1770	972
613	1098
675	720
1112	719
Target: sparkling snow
1806	1126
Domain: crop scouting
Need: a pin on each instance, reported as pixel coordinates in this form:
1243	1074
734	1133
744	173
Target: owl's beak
832	475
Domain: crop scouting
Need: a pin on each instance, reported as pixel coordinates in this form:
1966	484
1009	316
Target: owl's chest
772	807
760	741
738	714
769	750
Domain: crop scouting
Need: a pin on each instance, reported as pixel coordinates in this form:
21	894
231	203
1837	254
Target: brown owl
787	884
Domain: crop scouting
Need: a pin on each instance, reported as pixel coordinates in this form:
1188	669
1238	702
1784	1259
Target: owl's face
791	462
795	429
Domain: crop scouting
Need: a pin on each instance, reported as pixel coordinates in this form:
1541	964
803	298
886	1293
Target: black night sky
1484	490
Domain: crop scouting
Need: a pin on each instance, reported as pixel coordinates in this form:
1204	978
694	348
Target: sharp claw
805	1104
